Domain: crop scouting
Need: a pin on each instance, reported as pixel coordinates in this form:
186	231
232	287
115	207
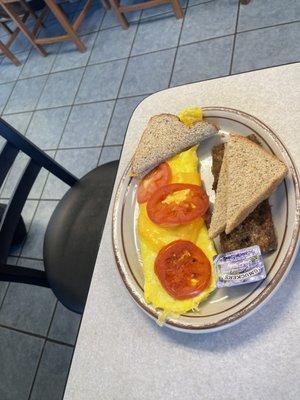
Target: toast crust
164	136
251	202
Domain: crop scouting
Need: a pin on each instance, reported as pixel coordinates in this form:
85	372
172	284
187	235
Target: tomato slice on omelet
184	168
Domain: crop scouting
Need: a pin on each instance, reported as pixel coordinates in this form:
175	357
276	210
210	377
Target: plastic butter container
239	267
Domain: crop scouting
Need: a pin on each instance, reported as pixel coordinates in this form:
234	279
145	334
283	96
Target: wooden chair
120	9
70	28
5	50
78	219
22	12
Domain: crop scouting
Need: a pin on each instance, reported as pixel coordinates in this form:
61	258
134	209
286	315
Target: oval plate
226	306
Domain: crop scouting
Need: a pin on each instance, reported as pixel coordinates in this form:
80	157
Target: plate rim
272	286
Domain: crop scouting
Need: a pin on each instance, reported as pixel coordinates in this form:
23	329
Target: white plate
228	305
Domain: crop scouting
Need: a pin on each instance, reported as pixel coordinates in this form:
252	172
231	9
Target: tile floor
76	107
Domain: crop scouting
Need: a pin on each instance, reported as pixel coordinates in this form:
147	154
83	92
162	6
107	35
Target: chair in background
120	9
69	28
74	231
22	11
4	49
19	11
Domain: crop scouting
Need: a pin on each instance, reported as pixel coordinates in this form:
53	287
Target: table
122	354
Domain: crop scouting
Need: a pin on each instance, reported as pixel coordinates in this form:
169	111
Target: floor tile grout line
36	335
120	86
267	26
154	51
8	283
234	37
5	293
92	47
177	47
42	352
30	120
13	88
70	111
77	104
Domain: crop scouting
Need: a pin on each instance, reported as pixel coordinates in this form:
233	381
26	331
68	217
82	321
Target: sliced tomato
158	177
167	206
183	269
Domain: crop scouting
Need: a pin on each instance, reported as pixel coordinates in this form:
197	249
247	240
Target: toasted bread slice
252	175
219	216
164	137
257	228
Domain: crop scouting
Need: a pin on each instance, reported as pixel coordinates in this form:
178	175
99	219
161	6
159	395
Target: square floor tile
27	215
39	65
112	44
110	20
92	21
9	71
70	57
14	175
61	88
204	60
2	142
87	125
28	308
39	183
148	73
33	247
20	354
110	153
259	13
209	20
46	127
52	373
196	2
267	47
101	82
18	121
162	9
77	161
157	33
28	263
122	113
5	91
65	325
21	43
25	95
3	288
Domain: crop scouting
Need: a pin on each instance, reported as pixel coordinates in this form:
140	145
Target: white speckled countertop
123	355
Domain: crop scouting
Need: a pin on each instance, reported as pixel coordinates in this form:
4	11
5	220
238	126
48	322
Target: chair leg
63	20
105	4
245	2
18	21
121	17
6	28
177	9
5	50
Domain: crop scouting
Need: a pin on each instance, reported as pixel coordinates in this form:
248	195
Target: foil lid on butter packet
239	267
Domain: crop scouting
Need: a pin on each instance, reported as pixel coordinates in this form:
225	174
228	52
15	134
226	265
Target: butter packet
239	267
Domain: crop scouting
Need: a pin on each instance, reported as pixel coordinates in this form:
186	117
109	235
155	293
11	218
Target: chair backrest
16	142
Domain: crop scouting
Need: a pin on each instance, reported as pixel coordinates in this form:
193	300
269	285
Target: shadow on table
246	331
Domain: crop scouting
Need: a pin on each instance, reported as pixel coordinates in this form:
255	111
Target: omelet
152	237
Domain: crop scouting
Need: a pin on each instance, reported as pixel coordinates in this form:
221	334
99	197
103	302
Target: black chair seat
73	235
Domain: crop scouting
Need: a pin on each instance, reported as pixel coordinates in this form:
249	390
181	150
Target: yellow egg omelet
184	168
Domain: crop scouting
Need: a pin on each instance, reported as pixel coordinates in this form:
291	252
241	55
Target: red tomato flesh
194	204
158	177
183	269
